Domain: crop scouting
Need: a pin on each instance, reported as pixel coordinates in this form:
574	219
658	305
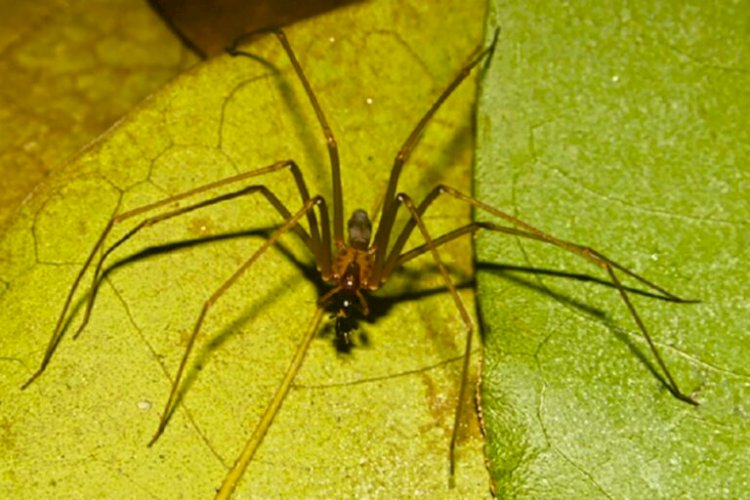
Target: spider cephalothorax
351	275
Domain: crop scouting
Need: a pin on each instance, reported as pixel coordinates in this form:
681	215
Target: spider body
350	276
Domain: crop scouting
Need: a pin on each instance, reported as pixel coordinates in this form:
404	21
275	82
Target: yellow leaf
376	421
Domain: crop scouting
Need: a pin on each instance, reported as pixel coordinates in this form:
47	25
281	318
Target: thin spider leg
587	253
299	181
389	264
476	226
388	213
235	52
598	259
324	262
333	150
470	228
236	472
395	260
673	388
407	202
57	332
151	221
288	225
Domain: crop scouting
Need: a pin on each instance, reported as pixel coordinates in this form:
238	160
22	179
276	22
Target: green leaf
624	128
376	422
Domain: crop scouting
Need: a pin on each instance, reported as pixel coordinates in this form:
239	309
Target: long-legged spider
352	268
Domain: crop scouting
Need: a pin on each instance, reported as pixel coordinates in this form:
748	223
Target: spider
353	266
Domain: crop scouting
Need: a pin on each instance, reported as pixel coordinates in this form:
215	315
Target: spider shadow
142	255
380	305
290	98
511	274
145	254
171	248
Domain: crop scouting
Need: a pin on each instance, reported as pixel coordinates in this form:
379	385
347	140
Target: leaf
376	422
70	70
624	129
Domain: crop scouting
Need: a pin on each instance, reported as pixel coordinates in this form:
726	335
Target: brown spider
353	268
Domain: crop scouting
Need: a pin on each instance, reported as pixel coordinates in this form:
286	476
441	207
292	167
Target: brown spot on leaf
441	402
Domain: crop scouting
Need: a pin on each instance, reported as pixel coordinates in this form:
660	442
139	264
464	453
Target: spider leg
151	221
525	230
238	469
388	213
474	227
288	225
322	258
333	150
299	181
407	202
396	259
